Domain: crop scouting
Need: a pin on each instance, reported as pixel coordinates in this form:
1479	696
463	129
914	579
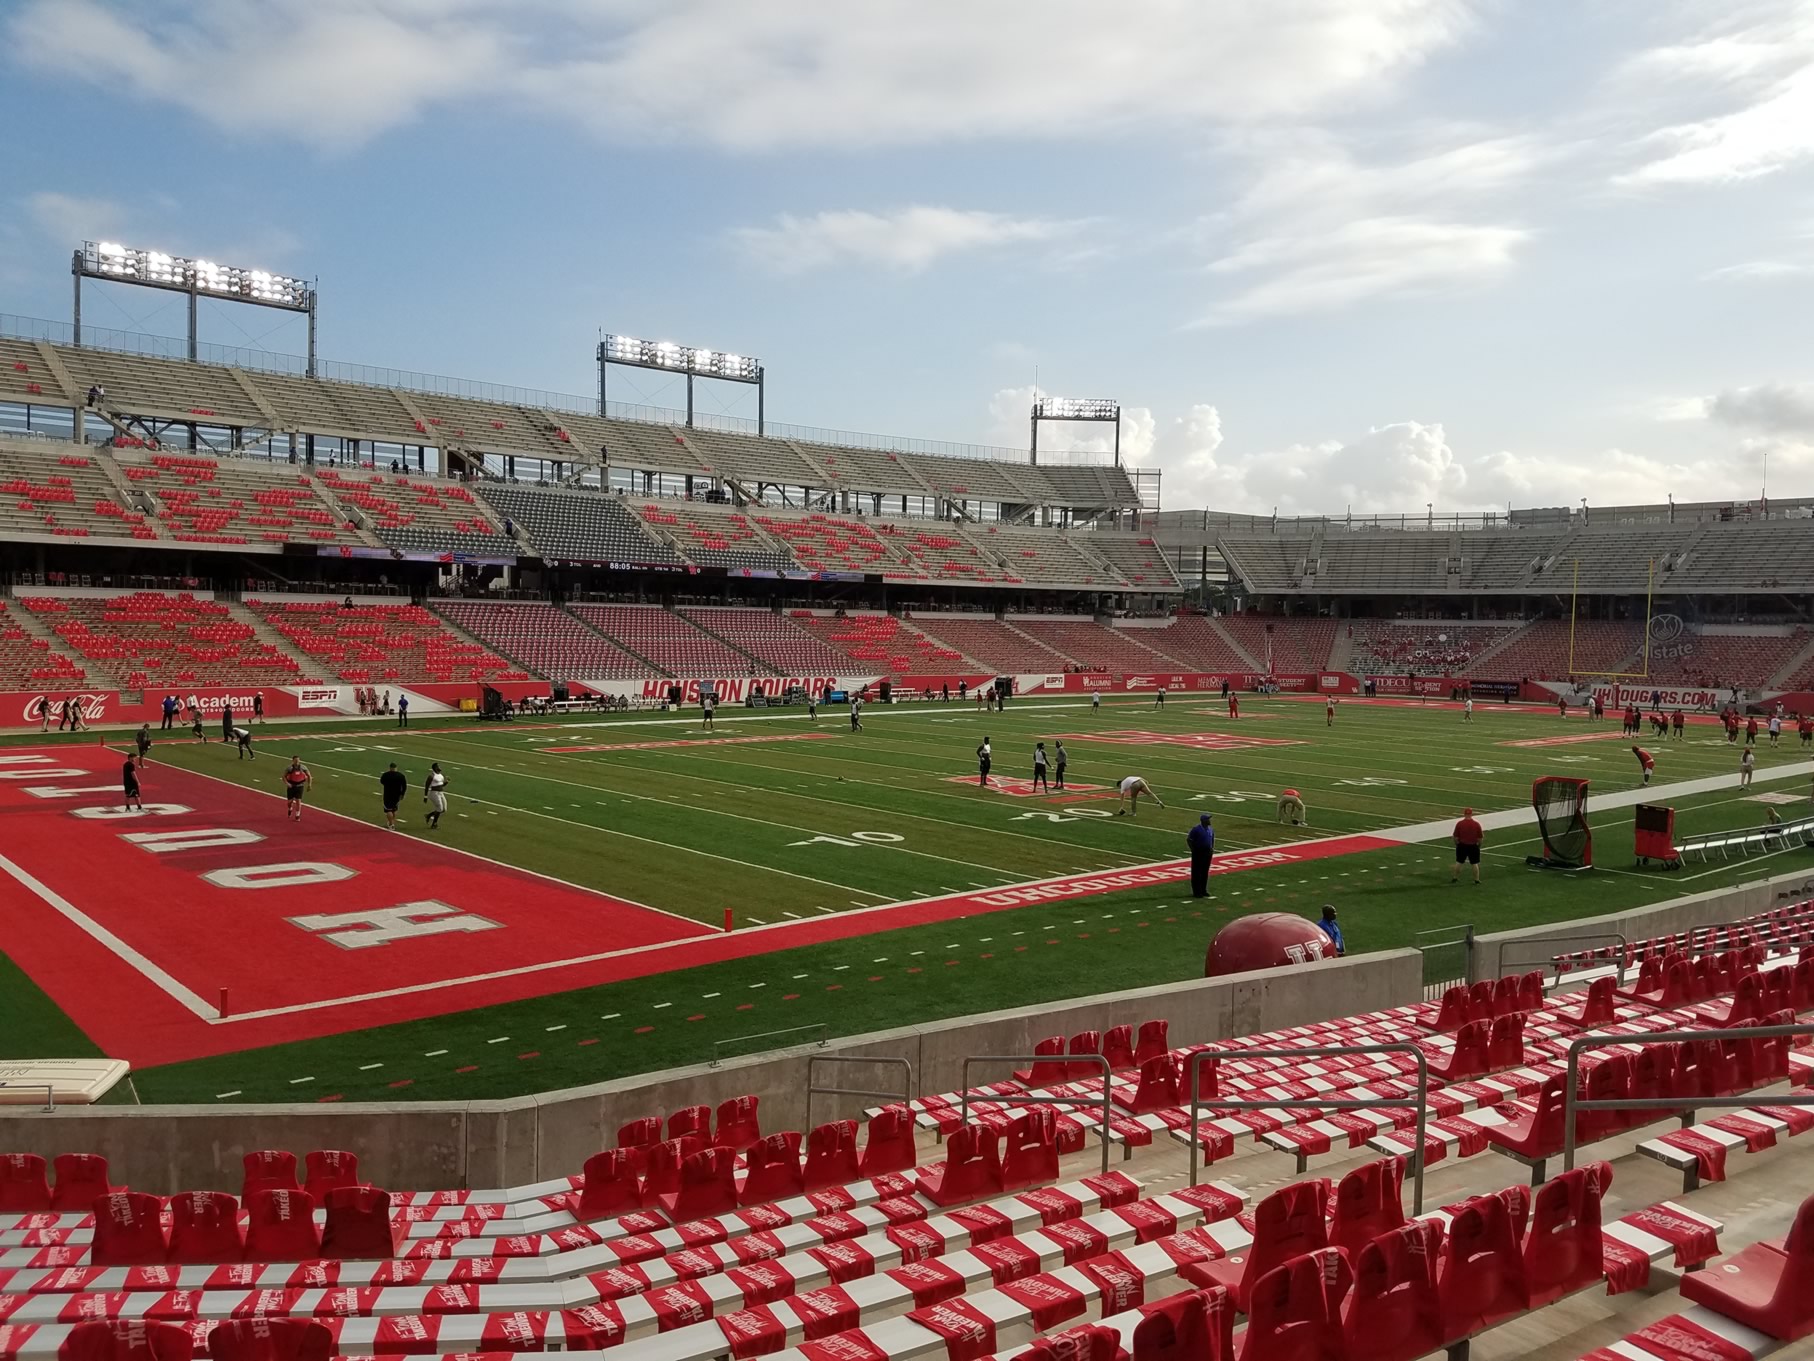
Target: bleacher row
218	398
699	1236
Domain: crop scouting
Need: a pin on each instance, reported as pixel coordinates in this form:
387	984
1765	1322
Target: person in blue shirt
1202	842
1332	930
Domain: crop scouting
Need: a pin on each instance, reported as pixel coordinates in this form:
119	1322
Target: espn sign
322	697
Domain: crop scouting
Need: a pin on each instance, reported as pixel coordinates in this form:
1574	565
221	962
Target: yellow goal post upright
1574	599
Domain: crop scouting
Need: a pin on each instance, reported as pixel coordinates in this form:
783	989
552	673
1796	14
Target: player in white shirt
1467	710
434	794
1131	789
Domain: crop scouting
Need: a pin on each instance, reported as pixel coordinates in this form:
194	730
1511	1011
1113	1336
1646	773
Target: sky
1329	255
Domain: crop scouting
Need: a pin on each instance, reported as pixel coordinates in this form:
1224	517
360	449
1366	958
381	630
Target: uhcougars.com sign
732	689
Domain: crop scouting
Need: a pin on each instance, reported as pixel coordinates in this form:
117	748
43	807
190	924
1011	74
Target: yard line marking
434	1053
499	1040
611	1017
222	1096
660	1005
295	1080
758	985
367	1067
561	1026
792	916
758	921
708	996
799	976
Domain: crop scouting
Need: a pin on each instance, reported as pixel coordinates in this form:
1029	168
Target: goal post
1574	605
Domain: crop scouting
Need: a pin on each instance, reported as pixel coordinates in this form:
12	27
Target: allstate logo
1666	628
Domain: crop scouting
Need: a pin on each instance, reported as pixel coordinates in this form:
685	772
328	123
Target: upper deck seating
419	512
66	494
715	536
833	543
209	500
577	526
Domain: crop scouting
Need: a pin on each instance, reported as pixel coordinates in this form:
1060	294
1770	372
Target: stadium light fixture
114	263
1076	409
664	356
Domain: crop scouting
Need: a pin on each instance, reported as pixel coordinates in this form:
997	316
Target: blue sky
1328	254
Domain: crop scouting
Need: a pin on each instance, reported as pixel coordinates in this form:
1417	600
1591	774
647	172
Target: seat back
1118	1046
1084	1042
1158	1088
24	1187
1530	990
609	1185
1607	1080
1678	983
1152	1041
636	1138
662	1176
204	1228
1045	1072
1598	1007
1562	1253
774	1171
971	1170
358	1223
1505	1041
690	1120
1288	1223
738	1125
1394	1312
1469	1057
126	1340
268	1169
1652	1075
81	1179
128	1230
280	1227
1453	1013
1480	1001
1294	1311
889	1146
708	1184
1482	1278
270	1339
831	1155
1198	1326
1505	996
326	1168
1369	1201
1030	1155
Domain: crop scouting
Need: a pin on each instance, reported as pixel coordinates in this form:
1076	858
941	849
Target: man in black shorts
1468	836
243	736
129	781
984	755
143	739
296	779
226	724
394	784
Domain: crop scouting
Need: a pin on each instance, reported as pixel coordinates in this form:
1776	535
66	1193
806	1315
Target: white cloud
1320	228
1770	408
1752	67
1754	271
907	239
809	73
68	219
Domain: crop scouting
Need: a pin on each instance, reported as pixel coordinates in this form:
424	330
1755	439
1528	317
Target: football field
567	921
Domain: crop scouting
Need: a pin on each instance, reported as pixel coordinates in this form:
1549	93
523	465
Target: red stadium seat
1043	1073
270	1339
1768	1286
636	1137
662	1177
24	1188
1746	1006
831	1155
1394	1313
1530	991
1596	1005
1087	1342
1453	1013
1030	1155
1152	1041
1470	1057
358	1223
774	1170
1084	1042
1158	1089
126	1340
280	1227
1505	996
204	1227
971	1170
1482	1280
1369	1201
609	1185
1607	1080
327	1168
738	1125
81	1179
1198	1326
1538	1134
708	1186
1295	1310
1562	1254
128	1230
1288	1223
269	1170
889	1146
1505	1042
1118	1046
690	1120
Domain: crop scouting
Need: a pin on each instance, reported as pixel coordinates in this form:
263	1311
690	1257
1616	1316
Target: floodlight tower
667	357
114	263
1077	409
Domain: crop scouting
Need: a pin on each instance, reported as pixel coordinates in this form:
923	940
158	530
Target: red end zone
134	923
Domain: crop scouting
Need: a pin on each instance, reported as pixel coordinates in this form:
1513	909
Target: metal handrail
1198	1102
1016	1098
718	1045
905	1094
50	1091
1570	939
1572	1106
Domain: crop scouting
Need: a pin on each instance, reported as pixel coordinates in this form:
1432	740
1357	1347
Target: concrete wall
1505	952
422	1145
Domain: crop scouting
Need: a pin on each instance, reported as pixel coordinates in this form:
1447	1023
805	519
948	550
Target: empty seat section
1295	645
577	526
420	512
670	641
1196	644
1543	650
1095	645
146	639
773	639
993	643
1137	559
65	494
718	537
28	662
832	543
938	552
882	643
1043	556
866	470
210	500
367	643
544	639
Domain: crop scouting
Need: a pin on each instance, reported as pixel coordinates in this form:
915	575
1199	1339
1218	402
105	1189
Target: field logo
93	705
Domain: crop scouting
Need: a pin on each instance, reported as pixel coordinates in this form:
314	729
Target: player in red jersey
1646	762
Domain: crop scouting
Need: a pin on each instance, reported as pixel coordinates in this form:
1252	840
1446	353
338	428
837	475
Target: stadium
488	871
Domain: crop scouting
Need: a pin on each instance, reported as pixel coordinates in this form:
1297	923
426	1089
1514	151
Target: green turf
695	829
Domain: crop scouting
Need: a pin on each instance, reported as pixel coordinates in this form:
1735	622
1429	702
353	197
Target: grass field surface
777	819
